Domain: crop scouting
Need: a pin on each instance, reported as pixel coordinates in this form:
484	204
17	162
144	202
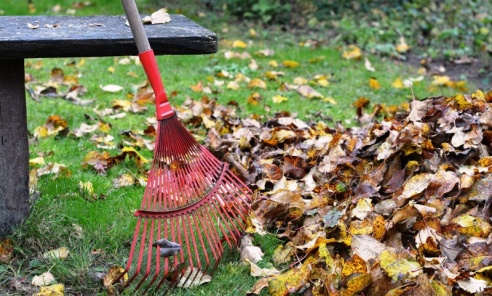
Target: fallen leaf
373	83
290	64
193	277
239	44
43	279
123	180
256	271
368	65
113	88
352	53
53	290
6	250
398	83
279	99
59	253
111	276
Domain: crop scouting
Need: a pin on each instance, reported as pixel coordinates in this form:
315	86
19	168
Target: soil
477	71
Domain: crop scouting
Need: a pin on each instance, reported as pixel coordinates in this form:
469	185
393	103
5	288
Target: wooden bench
65	36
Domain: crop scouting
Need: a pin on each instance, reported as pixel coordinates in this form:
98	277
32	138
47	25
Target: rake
193	209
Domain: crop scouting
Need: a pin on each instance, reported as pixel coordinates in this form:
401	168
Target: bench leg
14	148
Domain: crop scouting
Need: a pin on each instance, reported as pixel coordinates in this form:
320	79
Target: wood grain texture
96	36
14	149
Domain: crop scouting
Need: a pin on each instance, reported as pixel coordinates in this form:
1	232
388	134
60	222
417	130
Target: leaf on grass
398	83
290	64
402	46
258	286
239	44
111	276
123	180
373	83
308	92
53	290
248	251
37	160
132	153
256	271
193	277
368	65
279	99
53	169
352	53
43	279
54	126
59	253
112	88
6	250
257	83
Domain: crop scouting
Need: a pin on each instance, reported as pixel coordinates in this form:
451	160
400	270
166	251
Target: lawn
259	70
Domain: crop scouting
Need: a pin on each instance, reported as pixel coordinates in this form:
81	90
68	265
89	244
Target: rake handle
147	57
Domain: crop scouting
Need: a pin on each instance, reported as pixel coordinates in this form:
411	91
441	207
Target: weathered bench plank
96	36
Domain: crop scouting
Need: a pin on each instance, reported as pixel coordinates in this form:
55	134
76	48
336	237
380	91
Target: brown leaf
294	167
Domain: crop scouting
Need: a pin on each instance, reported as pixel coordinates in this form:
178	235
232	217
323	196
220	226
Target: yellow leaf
37	160
53	290
354	264
132	152
279	99
272	75
257	83
323	82
123	180
440	80
356	283
373	83
239	44
473	226
398	269
300	80
402	47
110	277
233	85
290	64
111	69
198	87
252	32
86	187
398	83
254	99
291	281
60	253
330	100
478	95
273	63
352	53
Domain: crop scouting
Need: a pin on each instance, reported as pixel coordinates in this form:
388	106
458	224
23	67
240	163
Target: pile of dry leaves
397	207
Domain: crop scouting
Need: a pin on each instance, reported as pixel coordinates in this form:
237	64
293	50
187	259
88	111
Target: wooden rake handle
147	57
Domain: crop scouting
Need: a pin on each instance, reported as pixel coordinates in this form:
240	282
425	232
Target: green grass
108	223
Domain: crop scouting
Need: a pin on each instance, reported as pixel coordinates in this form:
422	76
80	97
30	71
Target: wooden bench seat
24	37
